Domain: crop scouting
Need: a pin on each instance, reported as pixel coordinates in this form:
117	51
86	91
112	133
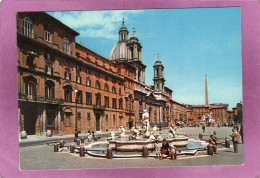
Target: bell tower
123	32
134	48
158	75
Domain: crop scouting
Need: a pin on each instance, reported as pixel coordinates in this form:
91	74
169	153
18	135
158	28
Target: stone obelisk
206	91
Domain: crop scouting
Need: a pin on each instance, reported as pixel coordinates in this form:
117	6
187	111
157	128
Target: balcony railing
27	97
98	107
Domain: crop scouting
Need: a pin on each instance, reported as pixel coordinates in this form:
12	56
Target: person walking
203	128
235	139
241	133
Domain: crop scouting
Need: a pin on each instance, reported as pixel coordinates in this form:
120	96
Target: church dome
118	52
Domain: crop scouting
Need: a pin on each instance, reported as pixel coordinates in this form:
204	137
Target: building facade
61	82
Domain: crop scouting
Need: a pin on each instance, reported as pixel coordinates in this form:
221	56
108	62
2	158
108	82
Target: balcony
40	99
98	107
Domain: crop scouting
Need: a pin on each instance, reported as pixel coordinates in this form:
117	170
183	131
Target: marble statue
122	132
135	133
146	124
172	132
112	135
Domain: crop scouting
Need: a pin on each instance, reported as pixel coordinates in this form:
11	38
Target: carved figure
122	132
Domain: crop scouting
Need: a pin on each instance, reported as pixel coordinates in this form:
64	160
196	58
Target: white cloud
96	23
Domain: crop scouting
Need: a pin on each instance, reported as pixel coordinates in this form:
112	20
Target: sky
191	43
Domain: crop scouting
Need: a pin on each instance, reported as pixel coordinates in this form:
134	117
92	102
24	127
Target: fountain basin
137	145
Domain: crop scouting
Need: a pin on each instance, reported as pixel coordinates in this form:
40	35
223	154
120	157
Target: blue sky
191	43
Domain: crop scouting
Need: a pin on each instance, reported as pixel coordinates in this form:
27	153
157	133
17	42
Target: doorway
130	124
97	122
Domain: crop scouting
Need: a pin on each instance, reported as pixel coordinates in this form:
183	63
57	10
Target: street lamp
76	120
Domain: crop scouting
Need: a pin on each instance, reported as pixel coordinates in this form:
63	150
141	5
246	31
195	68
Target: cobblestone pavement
43	157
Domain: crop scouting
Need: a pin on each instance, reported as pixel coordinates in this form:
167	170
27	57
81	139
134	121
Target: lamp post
76	119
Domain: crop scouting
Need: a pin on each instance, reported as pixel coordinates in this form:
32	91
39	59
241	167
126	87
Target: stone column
160	114
59	121
44	118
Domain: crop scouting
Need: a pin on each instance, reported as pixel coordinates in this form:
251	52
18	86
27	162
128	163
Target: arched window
106	87
66	47
88	82
113	89
49	89
27	27
97	85
67	93
120	90
30	87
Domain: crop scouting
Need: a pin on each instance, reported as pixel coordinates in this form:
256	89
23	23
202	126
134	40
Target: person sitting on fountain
122	130
213	143
173	151
165	148
157	149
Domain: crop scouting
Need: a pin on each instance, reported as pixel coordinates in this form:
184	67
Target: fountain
145	137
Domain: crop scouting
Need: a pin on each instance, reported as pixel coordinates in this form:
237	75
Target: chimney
206	90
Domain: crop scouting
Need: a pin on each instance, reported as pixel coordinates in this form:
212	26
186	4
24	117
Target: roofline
77	44
75	32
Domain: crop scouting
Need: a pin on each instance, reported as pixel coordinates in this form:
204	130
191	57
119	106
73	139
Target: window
97	85
155	115
66	45
106	101
67	93
47	36
114	120
88	117
106	119
88	82
88	98
114	80
49	70
78	78
114	103
106	87
120	90
120	103
79	97
106	78
113	89
67	75
88	72
78	68
97	75
27	27
67	120
49	89
120	121
98	100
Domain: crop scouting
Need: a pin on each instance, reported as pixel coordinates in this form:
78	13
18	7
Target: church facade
63	84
